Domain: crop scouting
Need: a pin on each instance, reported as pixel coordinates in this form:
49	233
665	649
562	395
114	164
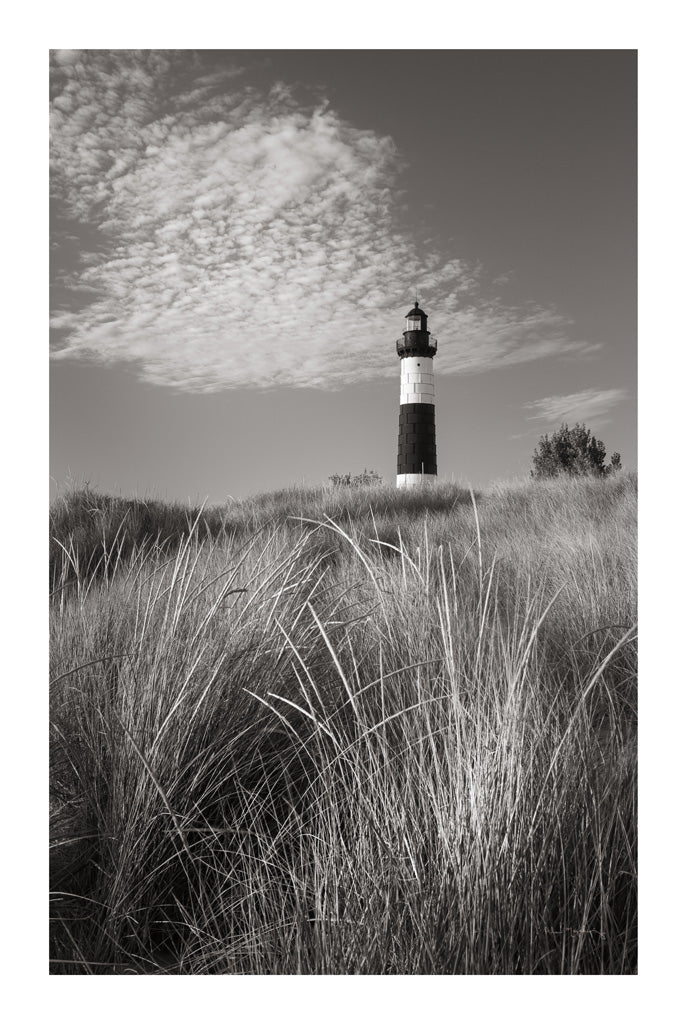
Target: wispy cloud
232	237
591	406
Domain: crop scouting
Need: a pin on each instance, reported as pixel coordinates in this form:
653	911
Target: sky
236	236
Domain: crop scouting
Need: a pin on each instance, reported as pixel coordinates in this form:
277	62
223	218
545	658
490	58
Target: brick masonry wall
417	439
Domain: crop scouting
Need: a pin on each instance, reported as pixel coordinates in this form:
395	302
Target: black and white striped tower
417	434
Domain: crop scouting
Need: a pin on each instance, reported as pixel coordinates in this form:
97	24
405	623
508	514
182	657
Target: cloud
245	238
590	406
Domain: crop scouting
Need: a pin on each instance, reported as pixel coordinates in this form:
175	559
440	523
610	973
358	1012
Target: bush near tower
363	479
574	451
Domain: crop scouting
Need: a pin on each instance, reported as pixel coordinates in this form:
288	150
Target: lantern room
417	339
415	320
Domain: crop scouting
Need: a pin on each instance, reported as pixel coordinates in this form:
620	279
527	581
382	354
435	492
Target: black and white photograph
343	511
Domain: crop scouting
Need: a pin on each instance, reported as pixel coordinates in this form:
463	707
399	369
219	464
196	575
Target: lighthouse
417	433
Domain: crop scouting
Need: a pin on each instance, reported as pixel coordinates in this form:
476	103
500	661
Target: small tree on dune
574	451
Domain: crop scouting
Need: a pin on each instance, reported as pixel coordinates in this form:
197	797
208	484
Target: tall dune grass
340	731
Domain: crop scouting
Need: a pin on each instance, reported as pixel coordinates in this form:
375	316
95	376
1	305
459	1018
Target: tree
574	451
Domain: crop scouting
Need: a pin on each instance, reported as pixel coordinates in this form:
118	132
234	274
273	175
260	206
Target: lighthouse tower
417	434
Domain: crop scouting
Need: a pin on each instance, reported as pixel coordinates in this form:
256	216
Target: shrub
363	479
574	451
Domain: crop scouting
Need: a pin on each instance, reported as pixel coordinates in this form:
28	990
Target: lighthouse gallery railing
403	345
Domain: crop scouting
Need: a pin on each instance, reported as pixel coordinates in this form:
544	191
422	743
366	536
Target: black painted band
417	438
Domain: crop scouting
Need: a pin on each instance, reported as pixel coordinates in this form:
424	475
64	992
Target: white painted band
417	380
416	364
409	387
424	397
414	479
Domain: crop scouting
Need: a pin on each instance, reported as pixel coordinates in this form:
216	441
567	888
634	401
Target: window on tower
413	325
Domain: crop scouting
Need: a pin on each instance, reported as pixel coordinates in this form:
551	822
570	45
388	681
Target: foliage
364	479
574	451
361	737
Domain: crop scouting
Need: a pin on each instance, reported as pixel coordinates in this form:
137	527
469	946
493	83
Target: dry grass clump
373	736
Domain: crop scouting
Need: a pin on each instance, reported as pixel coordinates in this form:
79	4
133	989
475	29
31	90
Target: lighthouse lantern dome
415	319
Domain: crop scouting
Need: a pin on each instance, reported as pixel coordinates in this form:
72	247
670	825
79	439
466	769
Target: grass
352	731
